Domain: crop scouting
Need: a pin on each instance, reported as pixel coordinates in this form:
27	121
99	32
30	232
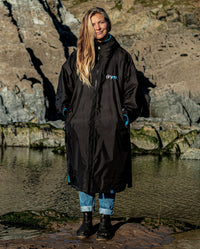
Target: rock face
31	135
164	138
35	40
38	35
170	63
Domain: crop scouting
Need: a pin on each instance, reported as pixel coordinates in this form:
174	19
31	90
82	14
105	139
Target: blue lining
108	38
64	110
126	119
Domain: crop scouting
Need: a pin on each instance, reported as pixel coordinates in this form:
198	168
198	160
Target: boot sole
82	236
101	239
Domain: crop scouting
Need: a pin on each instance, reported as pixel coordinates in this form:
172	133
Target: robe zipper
92	126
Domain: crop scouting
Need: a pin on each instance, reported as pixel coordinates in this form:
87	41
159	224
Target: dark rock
170	106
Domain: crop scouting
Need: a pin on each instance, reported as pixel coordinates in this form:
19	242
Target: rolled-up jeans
106	202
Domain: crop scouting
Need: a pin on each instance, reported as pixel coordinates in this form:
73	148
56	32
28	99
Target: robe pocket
69	116
124	138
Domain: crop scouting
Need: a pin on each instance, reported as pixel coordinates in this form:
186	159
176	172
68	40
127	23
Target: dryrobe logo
111	77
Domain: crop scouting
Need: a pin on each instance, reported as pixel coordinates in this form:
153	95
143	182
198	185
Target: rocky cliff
162	36
35	40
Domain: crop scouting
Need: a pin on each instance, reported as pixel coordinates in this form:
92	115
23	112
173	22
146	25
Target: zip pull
96	80
98	56
95	84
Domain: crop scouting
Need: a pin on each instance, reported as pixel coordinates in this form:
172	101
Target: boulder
162	137
31	135
167	137
145	139
191	154
171	106
196	143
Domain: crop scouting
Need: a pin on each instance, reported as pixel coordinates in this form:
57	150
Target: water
7	233
162	186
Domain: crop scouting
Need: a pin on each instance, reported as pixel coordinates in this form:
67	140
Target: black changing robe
97	141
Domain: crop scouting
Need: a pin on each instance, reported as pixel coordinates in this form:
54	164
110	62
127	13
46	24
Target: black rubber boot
105	231
86	227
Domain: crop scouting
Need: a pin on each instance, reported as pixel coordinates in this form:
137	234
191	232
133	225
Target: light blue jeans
106	202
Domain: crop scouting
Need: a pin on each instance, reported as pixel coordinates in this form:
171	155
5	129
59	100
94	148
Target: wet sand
127	235
185	240
132	233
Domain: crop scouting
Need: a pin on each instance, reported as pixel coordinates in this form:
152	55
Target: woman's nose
97	26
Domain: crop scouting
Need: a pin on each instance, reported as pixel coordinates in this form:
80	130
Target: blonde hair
85	46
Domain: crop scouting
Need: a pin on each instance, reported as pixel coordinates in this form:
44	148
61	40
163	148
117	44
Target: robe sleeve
130	105
64	89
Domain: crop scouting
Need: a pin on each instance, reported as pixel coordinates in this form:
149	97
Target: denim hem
105	211
87	209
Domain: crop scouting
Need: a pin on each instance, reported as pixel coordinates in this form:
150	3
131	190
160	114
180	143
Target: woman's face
100	26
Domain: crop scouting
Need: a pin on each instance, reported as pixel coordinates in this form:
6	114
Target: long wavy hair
85	46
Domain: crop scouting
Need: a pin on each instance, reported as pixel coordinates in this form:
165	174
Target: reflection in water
18	233
162	186
34	180
165	187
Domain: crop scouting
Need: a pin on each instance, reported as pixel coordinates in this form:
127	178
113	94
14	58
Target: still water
162	186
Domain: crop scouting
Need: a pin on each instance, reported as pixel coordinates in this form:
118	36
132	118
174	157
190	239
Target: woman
97	95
